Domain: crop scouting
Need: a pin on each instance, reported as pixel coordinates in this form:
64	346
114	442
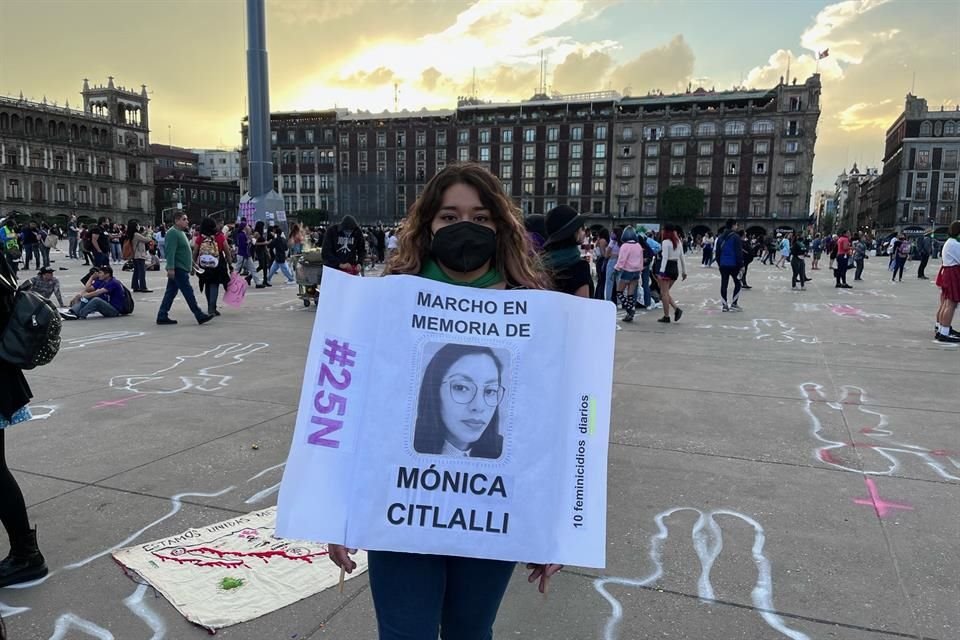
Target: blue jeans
95	305
415	596
101	259
179	282
280	266
139	282
72	252
115	251
31	250
611	278
645	283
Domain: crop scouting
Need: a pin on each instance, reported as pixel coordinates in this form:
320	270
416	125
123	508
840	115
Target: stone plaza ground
792	471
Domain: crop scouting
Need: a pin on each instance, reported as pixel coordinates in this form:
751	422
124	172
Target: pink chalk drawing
847	311
883	454
122	402
881	506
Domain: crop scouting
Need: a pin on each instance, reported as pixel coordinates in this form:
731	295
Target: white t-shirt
951	253
392	242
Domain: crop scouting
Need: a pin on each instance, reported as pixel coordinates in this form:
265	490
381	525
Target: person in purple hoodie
244	259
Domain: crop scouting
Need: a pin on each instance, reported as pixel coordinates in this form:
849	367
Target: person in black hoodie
24	562
571	273
344	247
730	259
749	253
798	250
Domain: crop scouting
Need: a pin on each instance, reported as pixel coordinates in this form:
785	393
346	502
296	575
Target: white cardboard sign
453	420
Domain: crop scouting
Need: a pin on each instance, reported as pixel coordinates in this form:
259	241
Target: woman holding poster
463	230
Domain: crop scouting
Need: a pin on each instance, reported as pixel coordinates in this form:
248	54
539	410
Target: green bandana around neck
433	271
562	257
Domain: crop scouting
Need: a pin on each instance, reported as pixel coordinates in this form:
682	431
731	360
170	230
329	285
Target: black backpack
32	335
127	301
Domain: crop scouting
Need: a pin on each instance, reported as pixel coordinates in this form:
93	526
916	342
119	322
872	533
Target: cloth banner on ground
453	420
236	290
233	571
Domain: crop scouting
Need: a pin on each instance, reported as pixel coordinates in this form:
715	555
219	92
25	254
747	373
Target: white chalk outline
99	338
198	380
142	610
879	431
708	543
69	620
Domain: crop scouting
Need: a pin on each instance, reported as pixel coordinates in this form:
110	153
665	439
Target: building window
732	167
678	148
653	133
762	126
507	187
553	169
421	138
758	187
13	189
553	151
923	159
926	129
703	185
381	139
576	170
463	154
651	168
786	207
506	171
758	208
789	167
600	132
628	133
626	170
553	134
733	148
706	148
649	207
761	148
529	170
530	135
790	187
680	131
706	129
463	136
600	150
796	103
921	190
528	188
649	188
676	168
506	136
506	153
599	169
729	187
441	138
576	150
950	159
576	133
573	187
791	147
550	189
401	139
653	150
949	190
760	167
484	154
729	207
734	128
596	207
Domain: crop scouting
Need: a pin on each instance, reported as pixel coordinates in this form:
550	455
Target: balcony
626	139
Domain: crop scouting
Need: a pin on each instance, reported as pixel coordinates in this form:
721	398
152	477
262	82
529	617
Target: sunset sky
191	55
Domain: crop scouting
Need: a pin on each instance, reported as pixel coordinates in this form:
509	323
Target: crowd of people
465	231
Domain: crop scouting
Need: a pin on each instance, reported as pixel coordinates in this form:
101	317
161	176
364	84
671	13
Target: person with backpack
211	254
179	269
730	260
24	562
135	247
103	294
900	255
278	251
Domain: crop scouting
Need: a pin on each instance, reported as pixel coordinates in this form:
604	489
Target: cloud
667	68
834	28
582	71
429	78
865	115
379	76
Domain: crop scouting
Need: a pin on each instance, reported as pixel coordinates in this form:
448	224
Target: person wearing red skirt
948	279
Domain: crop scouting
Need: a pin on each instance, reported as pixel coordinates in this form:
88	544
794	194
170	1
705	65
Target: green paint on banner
231	583
592	417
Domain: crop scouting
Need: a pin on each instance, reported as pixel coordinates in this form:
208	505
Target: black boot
24	563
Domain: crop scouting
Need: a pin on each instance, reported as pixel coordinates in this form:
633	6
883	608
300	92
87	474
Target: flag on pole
823	54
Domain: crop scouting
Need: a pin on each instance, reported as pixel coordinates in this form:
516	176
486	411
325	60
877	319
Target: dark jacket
343	246
14	390
730	249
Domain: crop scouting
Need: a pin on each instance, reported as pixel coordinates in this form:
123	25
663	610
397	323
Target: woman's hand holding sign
340	555
543	573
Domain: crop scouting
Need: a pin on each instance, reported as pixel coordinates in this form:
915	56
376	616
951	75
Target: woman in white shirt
948	279
671	268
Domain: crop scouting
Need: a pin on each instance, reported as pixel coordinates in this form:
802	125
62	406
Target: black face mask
464	247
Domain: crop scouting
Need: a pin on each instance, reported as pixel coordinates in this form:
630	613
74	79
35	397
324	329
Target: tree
681	204
826	223
312	217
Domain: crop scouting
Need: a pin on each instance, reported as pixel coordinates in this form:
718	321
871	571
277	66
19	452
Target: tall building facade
921	161
751	152
55	161
220	165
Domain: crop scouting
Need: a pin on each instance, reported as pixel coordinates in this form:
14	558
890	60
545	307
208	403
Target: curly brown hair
519	265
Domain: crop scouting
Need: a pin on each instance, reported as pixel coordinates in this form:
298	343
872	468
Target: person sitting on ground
103	294
153	260
46	284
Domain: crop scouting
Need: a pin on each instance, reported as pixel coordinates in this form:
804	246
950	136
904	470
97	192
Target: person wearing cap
47	285
571	273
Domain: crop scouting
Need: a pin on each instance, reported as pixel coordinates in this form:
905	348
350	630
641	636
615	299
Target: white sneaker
658	305
735	307
68	315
